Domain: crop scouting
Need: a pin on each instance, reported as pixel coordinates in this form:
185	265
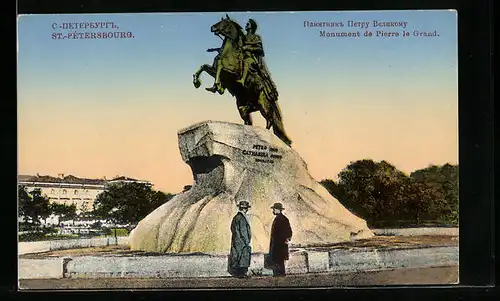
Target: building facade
82	192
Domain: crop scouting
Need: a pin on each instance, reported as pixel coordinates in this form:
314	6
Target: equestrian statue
239	67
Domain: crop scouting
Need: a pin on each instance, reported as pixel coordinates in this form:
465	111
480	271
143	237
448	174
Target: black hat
278	206
243	204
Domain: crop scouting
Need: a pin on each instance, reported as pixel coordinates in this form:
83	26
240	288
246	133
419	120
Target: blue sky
169	47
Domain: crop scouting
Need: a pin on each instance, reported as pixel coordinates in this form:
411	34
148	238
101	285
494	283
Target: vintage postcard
236	150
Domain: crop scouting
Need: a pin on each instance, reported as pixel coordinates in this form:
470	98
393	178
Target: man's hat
244	204
278	206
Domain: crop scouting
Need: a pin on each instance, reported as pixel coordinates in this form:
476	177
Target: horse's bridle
218	33
221	34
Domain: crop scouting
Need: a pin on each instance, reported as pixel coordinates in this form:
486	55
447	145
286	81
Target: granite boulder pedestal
230	163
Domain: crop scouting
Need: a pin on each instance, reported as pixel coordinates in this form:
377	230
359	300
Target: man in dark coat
281	233
241	249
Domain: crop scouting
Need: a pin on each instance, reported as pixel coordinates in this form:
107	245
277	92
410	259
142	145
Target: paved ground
414	276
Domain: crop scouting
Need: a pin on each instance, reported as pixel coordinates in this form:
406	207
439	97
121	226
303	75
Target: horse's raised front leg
196	76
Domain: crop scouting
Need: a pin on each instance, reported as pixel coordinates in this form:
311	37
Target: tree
357	182
63	211
375	189
33	205
423	202
383	195
337	190
444	179
128	202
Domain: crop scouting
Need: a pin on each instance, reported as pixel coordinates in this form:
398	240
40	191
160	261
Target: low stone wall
40	268
49	245
44	246
168	266
348	261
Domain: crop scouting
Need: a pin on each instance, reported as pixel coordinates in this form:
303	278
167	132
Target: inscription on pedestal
263	153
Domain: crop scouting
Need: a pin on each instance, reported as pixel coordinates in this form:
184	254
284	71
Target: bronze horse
226	70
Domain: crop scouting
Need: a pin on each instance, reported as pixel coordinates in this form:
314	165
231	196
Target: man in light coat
241	249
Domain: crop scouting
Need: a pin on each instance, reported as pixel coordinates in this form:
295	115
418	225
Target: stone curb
189	266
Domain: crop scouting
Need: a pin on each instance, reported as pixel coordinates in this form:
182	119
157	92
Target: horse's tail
276	110
270	92
268	85
278	127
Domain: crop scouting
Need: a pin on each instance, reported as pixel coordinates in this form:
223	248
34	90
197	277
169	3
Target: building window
52	191
76	191
64	191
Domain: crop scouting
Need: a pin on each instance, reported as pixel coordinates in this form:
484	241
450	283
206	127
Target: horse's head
227	28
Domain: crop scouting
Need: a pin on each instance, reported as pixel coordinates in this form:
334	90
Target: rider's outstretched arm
214	49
